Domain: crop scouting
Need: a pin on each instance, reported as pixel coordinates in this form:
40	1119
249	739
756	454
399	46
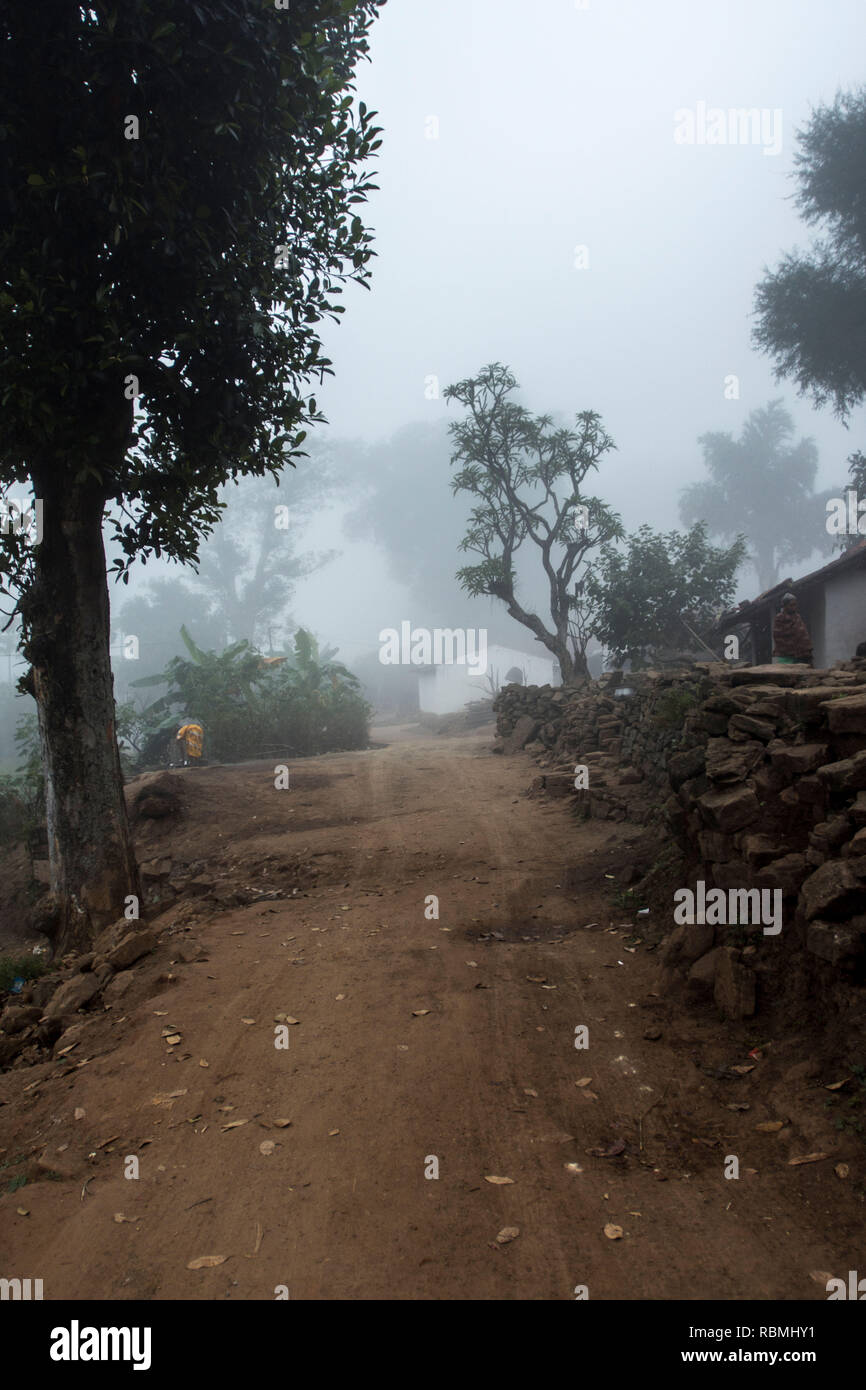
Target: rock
10	1048
42	990
847	716
811	791
155	868
85	962
110	936
732	762
523	732
786	873
722	704
774	677
733	873
73	995
806	705
687	943
796	759
716	725
715	847
759	849
692	790
761	729
829	835
847	775
118	986
734	986
48	1031
16	1017
768	781
103	973
832	891
856	846
833	942
729	808
131	949
681	767
201	884
559	783
857	811
629	777
702	975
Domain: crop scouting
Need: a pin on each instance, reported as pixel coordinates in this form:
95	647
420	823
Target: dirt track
485	1081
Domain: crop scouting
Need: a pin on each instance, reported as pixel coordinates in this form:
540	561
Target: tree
664	585
403	507
812	310
527	476
177	214
761	485
244	579
249	569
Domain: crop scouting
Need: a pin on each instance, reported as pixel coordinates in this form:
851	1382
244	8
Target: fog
536	208
556	130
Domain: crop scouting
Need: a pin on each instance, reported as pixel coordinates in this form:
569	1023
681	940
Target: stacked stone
764	786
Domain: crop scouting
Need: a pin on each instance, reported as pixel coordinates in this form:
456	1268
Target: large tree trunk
66	625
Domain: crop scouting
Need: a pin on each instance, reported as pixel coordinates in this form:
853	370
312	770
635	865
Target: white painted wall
448	688
844	617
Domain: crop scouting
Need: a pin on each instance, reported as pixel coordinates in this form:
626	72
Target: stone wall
760	775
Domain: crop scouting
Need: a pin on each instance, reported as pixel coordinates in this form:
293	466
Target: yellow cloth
192	735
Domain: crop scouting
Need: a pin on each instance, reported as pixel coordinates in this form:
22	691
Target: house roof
853	558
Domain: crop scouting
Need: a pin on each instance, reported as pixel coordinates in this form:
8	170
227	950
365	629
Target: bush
24	967
251	706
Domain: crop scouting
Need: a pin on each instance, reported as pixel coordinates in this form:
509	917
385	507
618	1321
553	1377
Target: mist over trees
169	249
242	586
527	477
811	310
408	510
761	486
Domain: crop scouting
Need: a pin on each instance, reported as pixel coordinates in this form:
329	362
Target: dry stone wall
760	775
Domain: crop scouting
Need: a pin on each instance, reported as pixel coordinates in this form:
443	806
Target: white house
446	688
832	601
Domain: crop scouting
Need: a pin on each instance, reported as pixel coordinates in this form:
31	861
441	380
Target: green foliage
812	310
640	598
199	258
22	795
761	485
528	478
307	704
23	967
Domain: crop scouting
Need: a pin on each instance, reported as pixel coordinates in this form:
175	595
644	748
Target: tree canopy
811	310
761	485
662	592
527	476
179	186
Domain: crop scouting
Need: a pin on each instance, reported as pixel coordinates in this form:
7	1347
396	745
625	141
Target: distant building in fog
445	689
832	602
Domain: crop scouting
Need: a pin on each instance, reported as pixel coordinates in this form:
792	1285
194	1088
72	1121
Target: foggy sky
556	130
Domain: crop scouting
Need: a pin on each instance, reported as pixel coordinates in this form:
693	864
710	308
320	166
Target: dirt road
417	1044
